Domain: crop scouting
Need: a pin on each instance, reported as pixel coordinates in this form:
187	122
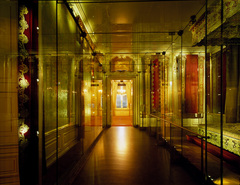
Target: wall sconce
23	129
23	82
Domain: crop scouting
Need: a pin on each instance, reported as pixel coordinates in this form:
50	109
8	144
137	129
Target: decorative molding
67	138
230	9
23	84
230	142
122	64
9	164
85	33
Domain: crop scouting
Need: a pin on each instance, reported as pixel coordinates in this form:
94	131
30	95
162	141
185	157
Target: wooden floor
128	156
122	121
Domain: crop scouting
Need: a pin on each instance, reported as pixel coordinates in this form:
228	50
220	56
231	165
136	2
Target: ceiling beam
132	42
129	1
126	32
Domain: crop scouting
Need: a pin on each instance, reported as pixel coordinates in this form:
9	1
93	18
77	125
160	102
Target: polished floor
121	120
128	156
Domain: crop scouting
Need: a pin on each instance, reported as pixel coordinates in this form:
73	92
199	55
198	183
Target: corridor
109	92
128	156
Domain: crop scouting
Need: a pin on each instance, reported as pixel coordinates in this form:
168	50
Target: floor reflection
121	120
121	141
126	155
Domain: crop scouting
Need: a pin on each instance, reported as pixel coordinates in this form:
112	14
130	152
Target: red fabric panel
156	84
28	32
32	32
191	90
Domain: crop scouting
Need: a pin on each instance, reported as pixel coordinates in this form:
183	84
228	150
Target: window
121	101
124	101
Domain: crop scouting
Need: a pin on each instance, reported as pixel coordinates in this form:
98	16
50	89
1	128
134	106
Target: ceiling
138	26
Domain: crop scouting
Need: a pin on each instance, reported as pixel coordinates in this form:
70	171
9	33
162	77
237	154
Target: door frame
117	76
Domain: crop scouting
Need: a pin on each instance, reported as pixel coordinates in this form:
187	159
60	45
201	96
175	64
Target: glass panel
75	59
118	101
71	124
96	102
63	91
229	56
49	78
124	101
214	114
176	88
48	74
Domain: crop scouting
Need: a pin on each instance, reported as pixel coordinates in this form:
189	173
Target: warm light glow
23	82
78	11
100	91
23	129
227	181
121	91
122	142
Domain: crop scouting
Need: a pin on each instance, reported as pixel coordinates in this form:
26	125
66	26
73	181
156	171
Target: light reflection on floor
122	141
121	120
128	156
227	181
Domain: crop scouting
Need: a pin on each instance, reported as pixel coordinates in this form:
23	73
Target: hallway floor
128	156
122	121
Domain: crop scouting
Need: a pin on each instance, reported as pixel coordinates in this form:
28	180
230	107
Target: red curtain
32	31
191	90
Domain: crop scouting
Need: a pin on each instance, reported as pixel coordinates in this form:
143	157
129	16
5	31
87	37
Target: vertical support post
57	83
206	165
181	94
163	111
41	129
222	108
202	167
170	104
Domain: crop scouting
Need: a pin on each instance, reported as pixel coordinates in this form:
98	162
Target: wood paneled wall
67	138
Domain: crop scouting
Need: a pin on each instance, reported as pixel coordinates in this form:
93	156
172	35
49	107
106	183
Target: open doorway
121	102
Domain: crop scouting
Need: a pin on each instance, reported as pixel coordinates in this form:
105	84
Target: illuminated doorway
121	102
